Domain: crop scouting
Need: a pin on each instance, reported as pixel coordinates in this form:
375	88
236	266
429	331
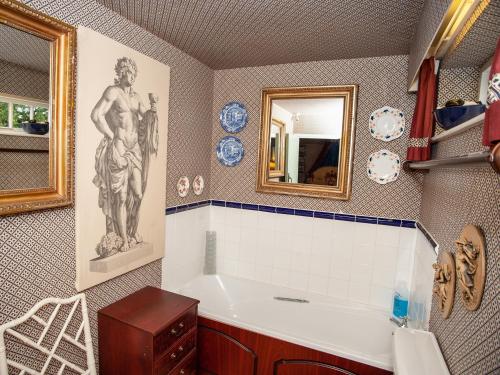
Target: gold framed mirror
311	131
36	110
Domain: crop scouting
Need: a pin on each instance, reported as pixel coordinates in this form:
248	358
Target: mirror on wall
306	141
24	110
36	61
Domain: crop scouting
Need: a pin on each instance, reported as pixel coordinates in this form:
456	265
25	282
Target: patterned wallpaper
257	32
451	199
381	82
21	81
37	250
430	20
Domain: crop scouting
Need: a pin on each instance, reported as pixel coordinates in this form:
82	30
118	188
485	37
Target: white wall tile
319	265
381	297
280	277
364	234
263	273
355	261
359	292
387	235
338	288
318	284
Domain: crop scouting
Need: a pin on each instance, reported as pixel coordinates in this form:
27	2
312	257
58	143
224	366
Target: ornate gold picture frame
279	157
59	191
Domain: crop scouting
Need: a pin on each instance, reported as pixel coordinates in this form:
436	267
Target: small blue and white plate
230	151
233	117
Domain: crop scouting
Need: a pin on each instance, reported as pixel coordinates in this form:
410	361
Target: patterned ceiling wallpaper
301	30
430	20
480	42
451	199
37	250
22	48
21	81
381	82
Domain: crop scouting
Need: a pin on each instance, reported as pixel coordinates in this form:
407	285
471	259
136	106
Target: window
16	110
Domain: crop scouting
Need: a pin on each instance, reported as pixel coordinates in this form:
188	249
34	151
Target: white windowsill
21	133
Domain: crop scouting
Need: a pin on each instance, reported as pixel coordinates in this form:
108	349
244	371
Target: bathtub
325	324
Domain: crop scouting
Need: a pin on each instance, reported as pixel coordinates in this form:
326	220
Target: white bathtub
326	324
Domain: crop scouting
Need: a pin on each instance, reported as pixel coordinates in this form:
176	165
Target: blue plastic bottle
400	301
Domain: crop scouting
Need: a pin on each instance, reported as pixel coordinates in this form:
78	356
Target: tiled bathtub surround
358	258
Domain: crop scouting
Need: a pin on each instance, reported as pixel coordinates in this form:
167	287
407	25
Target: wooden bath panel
227	350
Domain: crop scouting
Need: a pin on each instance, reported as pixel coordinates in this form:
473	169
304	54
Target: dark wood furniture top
151	331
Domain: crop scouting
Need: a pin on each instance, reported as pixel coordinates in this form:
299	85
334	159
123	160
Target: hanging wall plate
387	124
444	288
198	185
470	260
230	151
183	186
233	117
383	166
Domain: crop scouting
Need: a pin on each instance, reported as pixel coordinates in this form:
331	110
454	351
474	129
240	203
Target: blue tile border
286	211
345	217
297	212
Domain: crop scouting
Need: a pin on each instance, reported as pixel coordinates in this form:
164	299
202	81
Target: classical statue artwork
444	278
470	265
130	138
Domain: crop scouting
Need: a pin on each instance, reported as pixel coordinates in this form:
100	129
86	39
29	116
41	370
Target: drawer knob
182	372
181	348
181	325
173	356
173	331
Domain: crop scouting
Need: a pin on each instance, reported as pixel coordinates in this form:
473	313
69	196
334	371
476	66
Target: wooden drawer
187	366
176	354
174	331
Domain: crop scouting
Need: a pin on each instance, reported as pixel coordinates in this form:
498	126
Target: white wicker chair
50	353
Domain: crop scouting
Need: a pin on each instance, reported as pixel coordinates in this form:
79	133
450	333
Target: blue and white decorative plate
233	117
230	151
387	123
383	166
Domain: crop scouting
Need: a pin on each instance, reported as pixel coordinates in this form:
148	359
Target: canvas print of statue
121	156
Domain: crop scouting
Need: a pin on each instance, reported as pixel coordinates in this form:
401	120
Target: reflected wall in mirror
24	110
36	65
306	141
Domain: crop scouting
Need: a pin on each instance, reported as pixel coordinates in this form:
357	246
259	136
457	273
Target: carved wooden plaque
470	260
444	277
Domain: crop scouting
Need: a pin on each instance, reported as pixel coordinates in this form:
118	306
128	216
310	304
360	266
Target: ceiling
21	48
238	33
479	43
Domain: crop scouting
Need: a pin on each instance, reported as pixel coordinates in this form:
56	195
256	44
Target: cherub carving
442	276
466	260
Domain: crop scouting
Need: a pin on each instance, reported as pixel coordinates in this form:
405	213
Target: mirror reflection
312	129
24	110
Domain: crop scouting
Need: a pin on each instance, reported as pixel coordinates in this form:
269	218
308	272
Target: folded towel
491	132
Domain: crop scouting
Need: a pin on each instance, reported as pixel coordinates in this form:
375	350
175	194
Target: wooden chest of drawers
150	332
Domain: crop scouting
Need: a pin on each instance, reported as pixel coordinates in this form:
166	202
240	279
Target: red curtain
419	147
491	130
